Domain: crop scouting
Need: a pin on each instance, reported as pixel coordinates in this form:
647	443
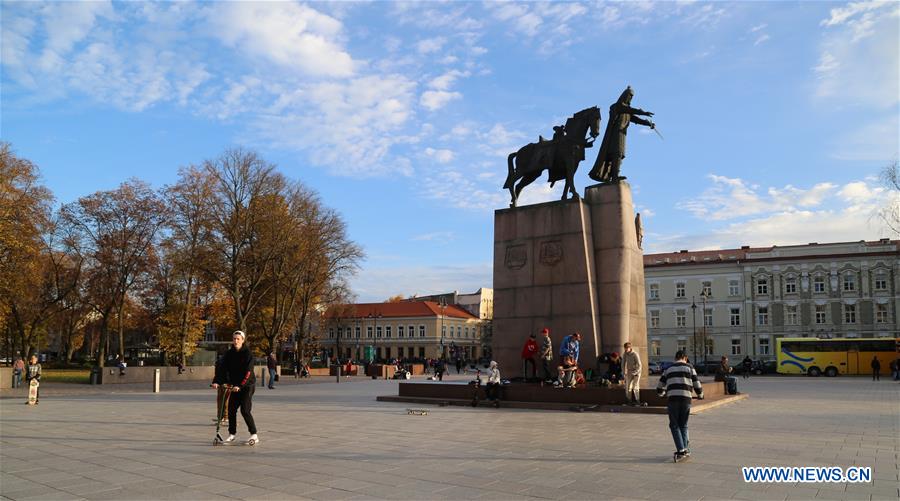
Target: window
762	315
654	347
331	333
735	317
421	352
369	332
378	331
880	282
734	288
706	289
849	282
790	285
654	291
849	313
820	313
707	317
421	331
881	313
710	344
466	331
790	315
819	284
681	345
458	331
679	289
735	346
762	286
763	346
411	330
443	331
400	331
357	332
680	319
387	331
654	319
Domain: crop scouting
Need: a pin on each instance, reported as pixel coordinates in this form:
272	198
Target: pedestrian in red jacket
529	352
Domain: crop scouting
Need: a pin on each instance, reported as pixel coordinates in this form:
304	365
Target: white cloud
733	197
831	213
437	99
438	236
760	39
291	35
430	45
442	156
445	81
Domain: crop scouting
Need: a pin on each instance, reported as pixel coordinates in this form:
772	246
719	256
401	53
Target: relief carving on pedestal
551	252
516	257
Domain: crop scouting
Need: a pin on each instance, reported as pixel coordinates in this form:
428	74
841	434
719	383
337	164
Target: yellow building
404	330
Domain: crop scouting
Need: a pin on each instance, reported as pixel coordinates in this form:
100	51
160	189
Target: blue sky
777	116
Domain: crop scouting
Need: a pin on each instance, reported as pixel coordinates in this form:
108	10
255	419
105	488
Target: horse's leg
526	180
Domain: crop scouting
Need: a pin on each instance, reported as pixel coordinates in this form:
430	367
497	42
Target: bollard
338	372
155	380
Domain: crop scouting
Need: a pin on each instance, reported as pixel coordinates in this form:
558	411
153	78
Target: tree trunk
121	330
101	343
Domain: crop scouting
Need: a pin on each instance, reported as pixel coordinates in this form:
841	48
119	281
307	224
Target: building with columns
405	330
740	300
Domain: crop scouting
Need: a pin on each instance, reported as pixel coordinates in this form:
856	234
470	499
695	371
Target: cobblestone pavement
334	441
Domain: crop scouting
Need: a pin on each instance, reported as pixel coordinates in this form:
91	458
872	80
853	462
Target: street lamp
704	295
375	318
694	310
443	305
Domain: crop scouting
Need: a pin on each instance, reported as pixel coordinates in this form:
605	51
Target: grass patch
66	375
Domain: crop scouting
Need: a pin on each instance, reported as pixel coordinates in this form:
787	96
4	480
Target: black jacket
236	368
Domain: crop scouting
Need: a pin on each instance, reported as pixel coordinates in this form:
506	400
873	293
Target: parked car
765	367
655	368
707	368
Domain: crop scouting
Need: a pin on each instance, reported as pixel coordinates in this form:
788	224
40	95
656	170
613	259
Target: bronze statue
560	155
612	148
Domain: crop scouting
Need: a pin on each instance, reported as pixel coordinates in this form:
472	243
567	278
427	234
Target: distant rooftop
747	253
403	309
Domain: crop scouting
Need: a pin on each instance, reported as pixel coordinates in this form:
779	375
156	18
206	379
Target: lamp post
694	310
443	305
375	318
358	329
704	295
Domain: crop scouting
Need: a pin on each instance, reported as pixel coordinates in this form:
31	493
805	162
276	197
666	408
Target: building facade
404	330
737	302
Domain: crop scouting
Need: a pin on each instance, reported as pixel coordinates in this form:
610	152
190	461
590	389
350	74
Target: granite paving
335	441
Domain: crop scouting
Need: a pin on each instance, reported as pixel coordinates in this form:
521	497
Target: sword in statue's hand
653	127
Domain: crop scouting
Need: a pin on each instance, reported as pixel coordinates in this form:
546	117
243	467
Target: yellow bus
831	357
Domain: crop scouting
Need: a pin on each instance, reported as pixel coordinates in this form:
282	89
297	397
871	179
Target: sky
776	117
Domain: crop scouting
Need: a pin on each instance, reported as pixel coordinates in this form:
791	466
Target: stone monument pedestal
571	265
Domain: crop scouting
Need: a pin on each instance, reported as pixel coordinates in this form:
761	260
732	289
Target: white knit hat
240	333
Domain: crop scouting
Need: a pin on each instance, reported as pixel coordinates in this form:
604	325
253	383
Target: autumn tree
239	260
113	232
890	212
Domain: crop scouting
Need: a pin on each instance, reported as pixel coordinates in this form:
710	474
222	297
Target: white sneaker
230	439
253	440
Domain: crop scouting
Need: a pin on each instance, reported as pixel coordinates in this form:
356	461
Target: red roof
405	309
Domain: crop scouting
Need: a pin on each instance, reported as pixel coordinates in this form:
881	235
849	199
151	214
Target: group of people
32	372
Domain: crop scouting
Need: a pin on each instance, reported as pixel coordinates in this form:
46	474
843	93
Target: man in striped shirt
677	383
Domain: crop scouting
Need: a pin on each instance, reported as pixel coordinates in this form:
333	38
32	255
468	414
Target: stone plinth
571	265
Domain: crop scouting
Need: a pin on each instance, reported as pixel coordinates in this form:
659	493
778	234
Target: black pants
876	376
244	400
525	362
439	374
492	391
545	366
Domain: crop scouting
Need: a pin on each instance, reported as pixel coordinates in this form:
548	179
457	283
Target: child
34	373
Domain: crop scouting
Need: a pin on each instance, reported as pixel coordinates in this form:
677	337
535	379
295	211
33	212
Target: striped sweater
678	381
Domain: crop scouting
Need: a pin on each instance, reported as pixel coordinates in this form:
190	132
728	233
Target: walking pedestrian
876	368
632	371
237	372
546	353
747	365
18	370
34	373
895	369
676	383
272	365
439	369
458	365
529	351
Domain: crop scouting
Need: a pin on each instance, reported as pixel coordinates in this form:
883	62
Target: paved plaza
334	441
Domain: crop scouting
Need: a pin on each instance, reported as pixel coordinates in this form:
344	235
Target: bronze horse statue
560	155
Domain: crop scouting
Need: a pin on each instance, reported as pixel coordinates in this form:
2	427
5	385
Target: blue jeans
272	373
679	412
17	378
